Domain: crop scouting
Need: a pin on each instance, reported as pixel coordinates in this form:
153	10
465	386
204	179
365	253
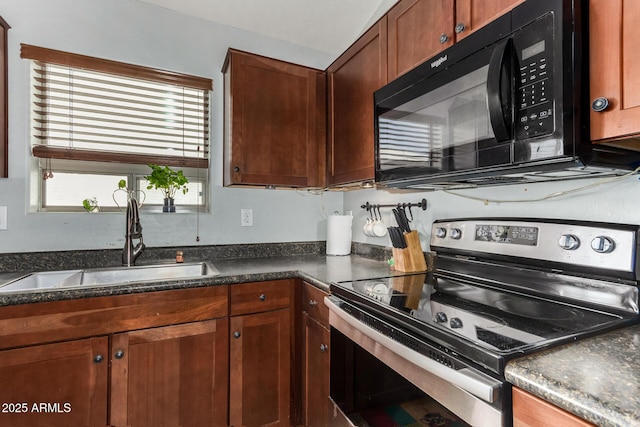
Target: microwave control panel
534	79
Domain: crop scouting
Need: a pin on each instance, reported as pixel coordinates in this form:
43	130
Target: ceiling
325	25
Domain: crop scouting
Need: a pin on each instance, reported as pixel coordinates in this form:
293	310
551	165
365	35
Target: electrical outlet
3	217
246	217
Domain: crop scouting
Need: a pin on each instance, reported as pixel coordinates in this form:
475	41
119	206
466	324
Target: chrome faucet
133	231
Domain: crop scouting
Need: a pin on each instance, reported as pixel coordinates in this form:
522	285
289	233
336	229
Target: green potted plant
168	181
91	205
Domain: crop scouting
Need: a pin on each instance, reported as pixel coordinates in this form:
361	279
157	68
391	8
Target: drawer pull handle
98	358
313	303
323	348
263	297
236	334
119	354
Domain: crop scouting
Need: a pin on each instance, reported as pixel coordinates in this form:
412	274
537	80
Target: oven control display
511	234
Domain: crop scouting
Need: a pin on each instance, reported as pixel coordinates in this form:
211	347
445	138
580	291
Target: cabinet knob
236	169
119	354
263	297
460	28
444	38
600	104
323	348
236	334
98	358
313	303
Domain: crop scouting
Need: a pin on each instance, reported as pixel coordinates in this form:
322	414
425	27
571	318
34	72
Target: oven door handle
474	382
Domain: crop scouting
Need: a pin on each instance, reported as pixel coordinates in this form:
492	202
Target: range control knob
455	234
441	317
569	242
603	244
441	232
455	323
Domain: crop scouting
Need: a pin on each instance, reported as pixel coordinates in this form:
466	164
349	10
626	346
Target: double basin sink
66	279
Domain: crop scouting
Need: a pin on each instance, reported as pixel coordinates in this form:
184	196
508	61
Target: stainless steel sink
109	276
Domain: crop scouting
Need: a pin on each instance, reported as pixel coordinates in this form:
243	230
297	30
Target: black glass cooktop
497	320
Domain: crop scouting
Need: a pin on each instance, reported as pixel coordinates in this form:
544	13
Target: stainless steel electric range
500	289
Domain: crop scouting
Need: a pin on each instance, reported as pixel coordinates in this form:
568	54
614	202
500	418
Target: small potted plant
91	205
168	181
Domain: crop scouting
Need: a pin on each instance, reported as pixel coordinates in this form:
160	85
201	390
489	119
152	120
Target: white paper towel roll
339	234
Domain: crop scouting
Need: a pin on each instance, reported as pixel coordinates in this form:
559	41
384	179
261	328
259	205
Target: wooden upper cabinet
275	122
417	30
4	122
353	78
474	14
615	68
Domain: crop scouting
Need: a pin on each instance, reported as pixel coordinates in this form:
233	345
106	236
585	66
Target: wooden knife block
410	258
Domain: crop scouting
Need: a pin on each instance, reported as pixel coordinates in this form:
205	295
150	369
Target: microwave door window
439	131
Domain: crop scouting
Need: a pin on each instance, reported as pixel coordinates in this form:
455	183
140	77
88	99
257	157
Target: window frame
84	161
135	178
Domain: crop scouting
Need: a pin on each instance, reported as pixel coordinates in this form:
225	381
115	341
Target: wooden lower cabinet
315	357
201	367
260	369
171	376
531	411
315	375
62	384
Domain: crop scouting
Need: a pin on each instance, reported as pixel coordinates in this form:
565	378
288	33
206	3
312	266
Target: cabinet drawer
313	304
28	324
260	296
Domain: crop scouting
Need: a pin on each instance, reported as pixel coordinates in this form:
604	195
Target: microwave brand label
438	62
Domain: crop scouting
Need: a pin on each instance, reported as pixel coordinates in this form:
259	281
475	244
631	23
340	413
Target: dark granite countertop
319	270
597	379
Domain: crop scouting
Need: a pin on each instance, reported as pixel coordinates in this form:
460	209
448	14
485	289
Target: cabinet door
55	385
171	376
530	411
418	30
474	14
315	375
353	78
276	133
260	369
4	122
615	67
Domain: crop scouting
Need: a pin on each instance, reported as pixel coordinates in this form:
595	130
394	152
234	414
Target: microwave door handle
499	92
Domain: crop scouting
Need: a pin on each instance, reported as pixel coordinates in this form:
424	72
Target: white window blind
85	108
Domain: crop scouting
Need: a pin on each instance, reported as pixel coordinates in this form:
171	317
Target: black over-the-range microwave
507	104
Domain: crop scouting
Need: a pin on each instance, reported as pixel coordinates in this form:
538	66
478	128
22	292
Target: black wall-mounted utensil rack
422	204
